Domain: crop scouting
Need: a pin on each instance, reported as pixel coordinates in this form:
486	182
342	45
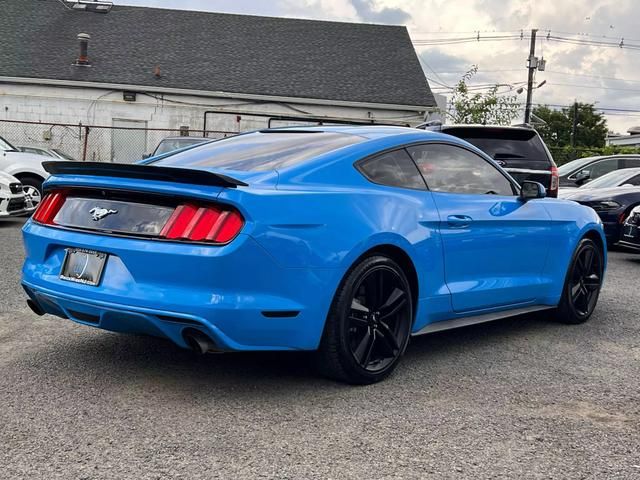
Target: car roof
617	155
183	137
365	141
369	132
486	127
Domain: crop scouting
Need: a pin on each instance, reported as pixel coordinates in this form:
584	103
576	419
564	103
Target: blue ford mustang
343	240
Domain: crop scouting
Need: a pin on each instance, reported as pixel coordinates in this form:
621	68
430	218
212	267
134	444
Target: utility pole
532	65
574	128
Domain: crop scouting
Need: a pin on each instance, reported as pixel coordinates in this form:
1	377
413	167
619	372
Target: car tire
369	323
582	284
32	187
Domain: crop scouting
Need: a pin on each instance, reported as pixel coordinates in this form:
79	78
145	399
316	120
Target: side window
394	169
600	168
633	181
448	168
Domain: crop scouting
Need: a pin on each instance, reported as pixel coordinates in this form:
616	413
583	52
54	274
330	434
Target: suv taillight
49	207
203	224
555	182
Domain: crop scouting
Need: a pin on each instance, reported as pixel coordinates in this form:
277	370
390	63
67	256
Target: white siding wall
52	104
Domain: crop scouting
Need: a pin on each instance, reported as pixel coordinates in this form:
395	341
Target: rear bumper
237	294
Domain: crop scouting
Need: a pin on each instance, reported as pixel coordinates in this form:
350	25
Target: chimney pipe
83	58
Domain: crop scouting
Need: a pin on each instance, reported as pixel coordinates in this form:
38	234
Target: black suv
519	150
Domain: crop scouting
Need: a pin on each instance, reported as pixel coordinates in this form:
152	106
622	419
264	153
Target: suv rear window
503	143
266	150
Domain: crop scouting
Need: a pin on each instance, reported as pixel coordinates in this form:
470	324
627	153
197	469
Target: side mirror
146	155
530	190
583	176
628	185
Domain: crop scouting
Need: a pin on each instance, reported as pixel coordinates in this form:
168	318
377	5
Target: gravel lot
520	398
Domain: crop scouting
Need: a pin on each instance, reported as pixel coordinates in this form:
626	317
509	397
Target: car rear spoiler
144	172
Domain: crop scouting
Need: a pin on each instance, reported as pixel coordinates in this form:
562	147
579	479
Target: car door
595	170
494	243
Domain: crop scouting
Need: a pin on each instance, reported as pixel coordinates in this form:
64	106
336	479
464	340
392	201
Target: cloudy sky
608	76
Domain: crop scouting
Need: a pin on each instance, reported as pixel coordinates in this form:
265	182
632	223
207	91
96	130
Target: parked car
323	239
579	172
26	167
170	144
627	177
519	150
47	152
613	205
631	230
13	201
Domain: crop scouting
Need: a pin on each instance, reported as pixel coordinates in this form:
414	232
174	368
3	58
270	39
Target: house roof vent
83	57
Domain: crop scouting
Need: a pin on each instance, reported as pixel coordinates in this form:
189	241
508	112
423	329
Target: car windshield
612	179
62	154
567	168
259	151
6	146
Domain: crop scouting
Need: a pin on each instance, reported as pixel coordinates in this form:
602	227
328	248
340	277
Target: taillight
555	182
49	208
203	224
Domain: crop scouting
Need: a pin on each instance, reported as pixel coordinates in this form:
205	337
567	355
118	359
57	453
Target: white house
146	69
631	140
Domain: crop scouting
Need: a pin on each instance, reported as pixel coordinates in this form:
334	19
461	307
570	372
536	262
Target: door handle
459	221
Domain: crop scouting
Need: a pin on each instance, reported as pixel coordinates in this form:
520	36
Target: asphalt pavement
518	398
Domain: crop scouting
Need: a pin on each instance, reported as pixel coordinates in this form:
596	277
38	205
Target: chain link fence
96	143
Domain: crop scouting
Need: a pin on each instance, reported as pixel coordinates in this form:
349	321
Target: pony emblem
98	213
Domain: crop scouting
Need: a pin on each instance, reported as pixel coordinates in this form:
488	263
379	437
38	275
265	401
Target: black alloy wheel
370	323
583	283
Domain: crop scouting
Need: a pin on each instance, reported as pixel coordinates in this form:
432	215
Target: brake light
49	207
555	181
203	224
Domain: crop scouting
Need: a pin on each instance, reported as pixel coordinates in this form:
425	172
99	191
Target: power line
441	82
551	38
596	87
600	77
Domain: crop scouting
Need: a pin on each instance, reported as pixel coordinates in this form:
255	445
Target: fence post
86	141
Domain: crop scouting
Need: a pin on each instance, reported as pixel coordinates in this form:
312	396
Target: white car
13	200
26	167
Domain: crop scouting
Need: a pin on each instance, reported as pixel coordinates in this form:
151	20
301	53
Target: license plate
630	231
83	266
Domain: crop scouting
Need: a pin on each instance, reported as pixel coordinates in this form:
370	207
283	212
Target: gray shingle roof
214	52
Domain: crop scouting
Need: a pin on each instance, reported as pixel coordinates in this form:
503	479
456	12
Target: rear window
503	144
261	150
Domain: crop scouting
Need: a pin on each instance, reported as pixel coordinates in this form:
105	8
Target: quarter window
394	169
448	168
630	162
635	181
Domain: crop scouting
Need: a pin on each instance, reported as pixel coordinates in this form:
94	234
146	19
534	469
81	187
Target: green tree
591	127
483	108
